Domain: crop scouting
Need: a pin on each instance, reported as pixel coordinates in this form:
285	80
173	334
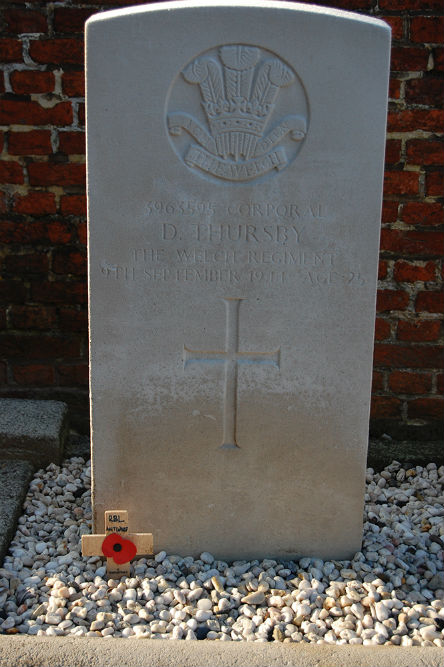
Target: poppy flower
119	549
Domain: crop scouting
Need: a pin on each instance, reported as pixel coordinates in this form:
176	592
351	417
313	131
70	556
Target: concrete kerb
87	652
33	434
14	480
33	430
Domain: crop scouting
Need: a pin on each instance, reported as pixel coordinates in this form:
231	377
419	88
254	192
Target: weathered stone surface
235	160
33	430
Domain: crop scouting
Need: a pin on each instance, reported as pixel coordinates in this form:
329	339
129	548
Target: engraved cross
231	357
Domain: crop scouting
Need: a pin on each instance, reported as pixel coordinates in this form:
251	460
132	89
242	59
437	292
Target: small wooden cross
123	546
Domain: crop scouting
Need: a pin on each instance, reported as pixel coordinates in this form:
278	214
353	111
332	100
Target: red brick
414	5
391	300
396	24
434	183
426	91
409	272
29	263
34	375
422	213
10	50
430	302
81	114
416	119
346	4
69	261
36	231
440	383
73	84
378	381
73	375
389	211
423	151
401	183
71	20
438	59
56	51
393	151
82	232
12	291
419	331
18	112
407	356
35	142
31	81
354	5
73	205
409	59
427	29
25	20
3	204
385	407
382	329
72	143
110	4
39	347
59	292
417	243
394	89
73	320
382	269
22	232
402	382
62	174
33	317
59	231
35	203
423	408
11	172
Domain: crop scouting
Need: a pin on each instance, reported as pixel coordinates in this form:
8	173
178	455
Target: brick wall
43	311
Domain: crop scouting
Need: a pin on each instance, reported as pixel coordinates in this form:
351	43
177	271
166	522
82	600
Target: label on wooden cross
117	523
117	544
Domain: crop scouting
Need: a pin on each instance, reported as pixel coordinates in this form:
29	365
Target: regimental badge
240	128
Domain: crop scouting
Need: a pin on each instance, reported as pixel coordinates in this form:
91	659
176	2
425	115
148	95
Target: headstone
235	164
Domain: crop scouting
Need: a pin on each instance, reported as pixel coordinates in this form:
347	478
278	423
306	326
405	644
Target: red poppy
119	549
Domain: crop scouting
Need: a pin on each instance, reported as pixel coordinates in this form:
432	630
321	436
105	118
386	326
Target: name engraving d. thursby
239	89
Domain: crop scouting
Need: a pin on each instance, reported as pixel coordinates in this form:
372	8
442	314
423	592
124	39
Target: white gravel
392	592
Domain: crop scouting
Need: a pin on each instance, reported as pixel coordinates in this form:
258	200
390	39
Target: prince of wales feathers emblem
238	96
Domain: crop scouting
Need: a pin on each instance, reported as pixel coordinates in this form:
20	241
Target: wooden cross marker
117	544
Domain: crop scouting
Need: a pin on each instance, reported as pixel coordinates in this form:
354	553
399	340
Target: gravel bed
391	592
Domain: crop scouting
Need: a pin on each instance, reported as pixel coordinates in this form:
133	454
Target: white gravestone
235	165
